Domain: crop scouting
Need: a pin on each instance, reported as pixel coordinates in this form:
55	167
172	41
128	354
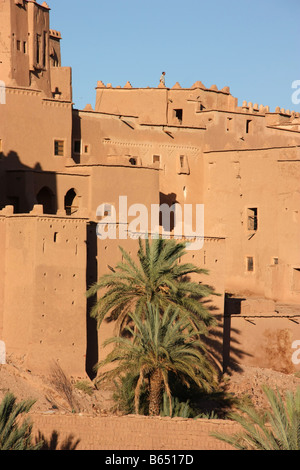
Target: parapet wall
132	432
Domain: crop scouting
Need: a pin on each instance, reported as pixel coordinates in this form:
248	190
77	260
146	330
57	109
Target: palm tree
13	434
159	345
277	428
157	277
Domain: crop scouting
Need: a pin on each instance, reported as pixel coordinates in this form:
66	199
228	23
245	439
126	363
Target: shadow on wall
76	137
91	323
223	348
23	187
53	442
232	353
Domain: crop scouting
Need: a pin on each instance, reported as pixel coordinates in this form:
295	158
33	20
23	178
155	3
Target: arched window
71	202
46	198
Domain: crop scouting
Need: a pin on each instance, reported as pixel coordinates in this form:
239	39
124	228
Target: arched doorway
71	202
46	198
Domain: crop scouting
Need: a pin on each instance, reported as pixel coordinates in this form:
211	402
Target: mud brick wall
130	432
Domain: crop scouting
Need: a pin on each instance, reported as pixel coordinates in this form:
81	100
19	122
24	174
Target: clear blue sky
252	46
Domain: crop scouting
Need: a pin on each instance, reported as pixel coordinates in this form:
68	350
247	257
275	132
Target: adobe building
154	146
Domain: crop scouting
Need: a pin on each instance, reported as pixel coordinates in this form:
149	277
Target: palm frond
164	342
277	428
16	435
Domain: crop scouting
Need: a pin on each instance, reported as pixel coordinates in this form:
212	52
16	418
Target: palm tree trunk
155	395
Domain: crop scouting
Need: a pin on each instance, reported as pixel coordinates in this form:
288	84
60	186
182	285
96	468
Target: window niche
38	49
59	148
296	280
249	126
183	165
56	237
44	49
71	202
178	115
252	218
250	263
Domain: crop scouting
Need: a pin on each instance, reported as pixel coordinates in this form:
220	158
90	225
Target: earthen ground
26	385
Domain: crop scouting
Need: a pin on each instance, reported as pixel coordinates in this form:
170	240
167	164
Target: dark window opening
181	161
275	260
38	46
248	126
133	161
250	264
77	146
156	159
44	48
178	114
200	107
71	204
252	218
18	45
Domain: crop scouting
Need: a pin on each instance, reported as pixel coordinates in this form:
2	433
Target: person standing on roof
162	78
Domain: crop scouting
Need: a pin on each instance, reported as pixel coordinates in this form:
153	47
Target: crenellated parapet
176	86
162	105
250	107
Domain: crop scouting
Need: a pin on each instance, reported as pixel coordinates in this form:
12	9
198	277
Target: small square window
275	260
156	159
250	264
59	148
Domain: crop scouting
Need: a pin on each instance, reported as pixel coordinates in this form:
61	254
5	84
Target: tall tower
28	50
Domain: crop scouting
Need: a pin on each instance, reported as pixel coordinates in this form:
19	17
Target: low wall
130	433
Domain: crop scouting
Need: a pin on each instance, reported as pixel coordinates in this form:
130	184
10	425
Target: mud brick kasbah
153	145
